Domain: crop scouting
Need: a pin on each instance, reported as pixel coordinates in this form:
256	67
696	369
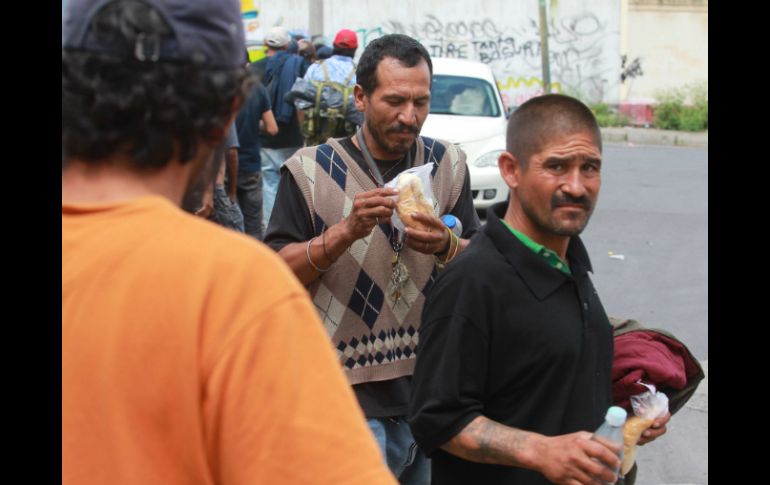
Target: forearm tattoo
486	441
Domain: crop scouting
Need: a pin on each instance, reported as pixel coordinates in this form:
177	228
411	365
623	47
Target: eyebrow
399	98
597	161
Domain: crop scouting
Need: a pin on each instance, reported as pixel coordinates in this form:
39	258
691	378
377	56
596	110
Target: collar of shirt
550	256
537	274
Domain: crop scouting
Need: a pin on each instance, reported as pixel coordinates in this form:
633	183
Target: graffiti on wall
576	51
515	91
631	69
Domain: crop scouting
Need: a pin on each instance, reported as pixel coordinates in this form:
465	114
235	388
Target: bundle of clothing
653	356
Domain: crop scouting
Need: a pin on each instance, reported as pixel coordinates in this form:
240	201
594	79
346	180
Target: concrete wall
669	44
584	37
665	42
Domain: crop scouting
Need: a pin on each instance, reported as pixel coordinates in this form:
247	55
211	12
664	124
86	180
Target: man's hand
369	209
428	242
567	459
655	431
572	459
207	209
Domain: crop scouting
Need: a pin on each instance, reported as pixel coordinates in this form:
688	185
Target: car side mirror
509	111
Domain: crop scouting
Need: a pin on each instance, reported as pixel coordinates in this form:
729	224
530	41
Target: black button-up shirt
509	337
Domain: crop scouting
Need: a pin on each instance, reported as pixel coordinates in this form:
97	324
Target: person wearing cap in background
339	74
276	39
281	71
340	65
190	353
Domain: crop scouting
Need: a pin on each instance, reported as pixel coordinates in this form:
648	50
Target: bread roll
632	431
412	199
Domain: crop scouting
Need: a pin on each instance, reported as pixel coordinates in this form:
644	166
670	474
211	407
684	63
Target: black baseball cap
205	32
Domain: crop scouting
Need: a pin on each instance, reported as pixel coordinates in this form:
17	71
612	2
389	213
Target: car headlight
488	159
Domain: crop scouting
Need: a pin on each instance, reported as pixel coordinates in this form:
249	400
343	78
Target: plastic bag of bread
415	195
647	407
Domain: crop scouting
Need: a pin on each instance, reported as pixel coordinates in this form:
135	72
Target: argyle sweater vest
374	337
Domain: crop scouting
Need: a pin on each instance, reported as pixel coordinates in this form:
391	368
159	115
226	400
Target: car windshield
463	96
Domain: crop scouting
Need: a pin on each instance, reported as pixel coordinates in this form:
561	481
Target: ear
360	98
510	169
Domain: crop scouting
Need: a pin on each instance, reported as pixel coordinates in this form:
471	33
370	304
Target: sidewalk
652	136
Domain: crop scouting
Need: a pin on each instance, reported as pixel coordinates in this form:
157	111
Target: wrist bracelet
449	244
454	252
310	261
323	240
457	247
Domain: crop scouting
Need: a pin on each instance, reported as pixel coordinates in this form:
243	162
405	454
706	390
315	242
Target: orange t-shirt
191	355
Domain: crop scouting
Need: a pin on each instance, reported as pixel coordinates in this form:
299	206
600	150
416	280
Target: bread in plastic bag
647	407
415	195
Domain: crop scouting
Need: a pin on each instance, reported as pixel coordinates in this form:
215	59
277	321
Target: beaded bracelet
307	250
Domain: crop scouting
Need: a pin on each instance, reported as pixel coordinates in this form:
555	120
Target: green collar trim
550	256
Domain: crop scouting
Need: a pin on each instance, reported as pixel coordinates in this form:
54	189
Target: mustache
402	128
566	199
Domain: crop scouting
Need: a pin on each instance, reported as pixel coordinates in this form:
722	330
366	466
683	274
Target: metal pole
316	18
545	61
624	87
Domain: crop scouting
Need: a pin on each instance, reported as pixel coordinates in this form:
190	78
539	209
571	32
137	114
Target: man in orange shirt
190	353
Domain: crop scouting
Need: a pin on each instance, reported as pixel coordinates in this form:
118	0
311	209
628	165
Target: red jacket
654	358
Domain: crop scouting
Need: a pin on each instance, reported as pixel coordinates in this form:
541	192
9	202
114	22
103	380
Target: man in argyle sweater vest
331	224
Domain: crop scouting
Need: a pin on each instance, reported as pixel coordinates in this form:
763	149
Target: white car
467	110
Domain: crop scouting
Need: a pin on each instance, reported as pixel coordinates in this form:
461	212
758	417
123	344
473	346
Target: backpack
322	122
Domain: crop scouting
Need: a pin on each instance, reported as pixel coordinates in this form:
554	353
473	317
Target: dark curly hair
401	47
114	104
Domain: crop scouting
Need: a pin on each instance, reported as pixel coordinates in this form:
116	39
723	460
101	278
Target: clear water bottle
612	428
453	223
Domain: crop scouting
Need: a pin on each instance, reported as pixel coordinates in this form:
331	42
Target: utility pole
316	18
545	61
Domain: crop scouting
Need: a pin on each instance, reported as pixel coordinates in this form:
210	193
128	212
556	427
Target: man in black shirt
513	370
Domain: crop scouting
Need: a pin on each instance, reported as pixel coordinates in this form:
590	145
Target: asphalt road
653	212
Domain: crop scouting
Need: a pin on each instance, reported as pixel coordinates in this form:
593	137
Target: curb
650	136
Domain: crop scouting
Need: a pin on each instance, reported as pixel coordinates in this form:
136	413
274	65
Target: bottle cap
616	416
449	220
